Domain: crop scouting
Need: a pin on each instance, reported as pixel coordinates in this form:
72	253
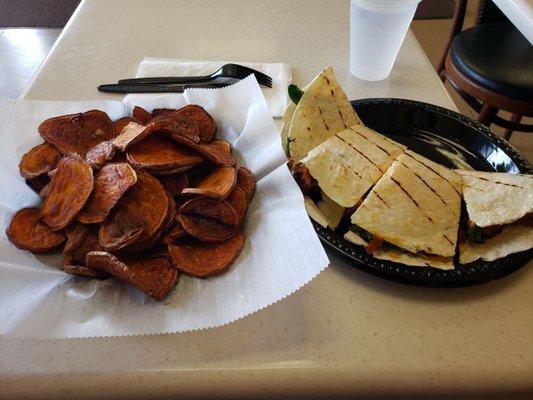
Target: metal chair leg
508	132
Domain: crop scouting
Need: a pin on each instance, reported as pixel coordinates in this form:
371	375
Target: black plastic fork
229	73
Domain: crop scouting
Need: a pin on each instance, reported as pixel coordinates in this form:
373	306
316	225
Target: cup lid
386	5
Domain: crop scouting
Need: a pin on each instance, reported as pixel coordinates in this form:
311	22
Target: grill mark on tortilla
448	239
497	182
323	120
475	188
342	119
431	169
425	183
368	159
327	80
371	141
392	142
354	171
379	197
412	199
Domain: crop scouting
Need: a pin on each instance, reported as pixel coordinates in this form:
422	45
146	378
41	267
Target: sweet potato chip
122	228
101	154
237	199
124	208
201	259
131	134
141	115
144	205
172	211
246	181
226	146
211	208
204	121
168	171
174	183
70	189
155	276
70	266
77	133
39	160
215	152
76	235
174	124
80	241
207	229
27	232
159	152
160	111
218	184
121	123
174	233
110	183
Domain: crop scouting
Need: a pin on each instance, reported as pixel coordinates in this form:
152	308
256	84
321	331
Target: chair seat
496	57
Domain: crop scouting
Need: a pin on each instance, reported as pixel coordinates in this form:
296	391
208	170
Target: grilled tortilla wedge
348	164
402	256
495	198
415	206
322	111
499	207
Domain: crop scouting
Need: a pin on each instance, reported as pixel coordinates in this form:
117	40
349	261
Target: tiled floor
23	50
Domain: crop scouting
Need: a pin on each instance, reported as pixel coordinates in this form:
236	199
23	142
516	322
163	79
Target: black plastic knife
145	88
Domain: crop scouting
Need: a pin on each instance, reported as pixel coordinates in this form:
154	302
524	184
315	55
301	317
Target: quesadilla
285	125
314	212
349	163
400	256
321	112
287	116
414	207
332	211
499	218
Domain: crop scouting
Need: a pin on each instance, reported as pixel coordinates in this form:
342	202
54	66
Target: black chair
491	67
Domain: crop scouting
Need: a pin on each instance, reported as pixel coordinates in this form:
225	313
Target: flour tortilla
332	211
354	238
379	150
494	198
347	165
322	111
314	212
512	239
414	260
416	206
285	126
402	256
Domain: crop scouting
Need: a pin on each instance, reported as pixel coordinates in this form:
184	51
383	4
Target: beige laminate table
345	334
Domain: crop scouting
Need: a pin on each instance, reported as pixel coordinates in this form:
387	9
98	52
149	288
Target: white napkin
281	253
276	97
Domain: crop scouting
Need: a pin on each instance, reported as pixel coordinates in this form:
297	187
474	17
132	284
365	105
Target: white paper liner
281	254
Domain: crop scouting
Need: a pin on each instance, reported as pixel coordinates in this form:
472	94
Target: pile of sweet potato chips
140	199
